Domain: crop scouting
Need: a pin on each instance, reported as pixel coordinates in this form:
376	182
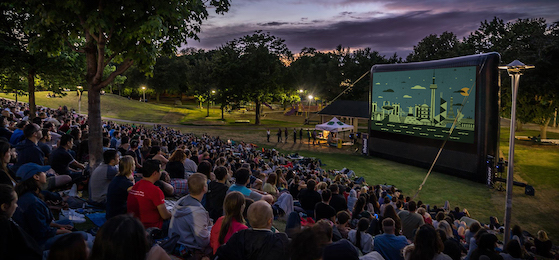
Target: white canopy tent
334	125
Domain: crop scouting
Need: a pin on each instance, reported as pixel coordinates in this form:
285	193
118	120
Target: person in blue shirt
389	245
17	135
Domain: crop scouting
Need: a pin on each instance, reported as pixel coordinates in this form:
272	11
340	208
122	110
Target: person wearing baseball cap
33	214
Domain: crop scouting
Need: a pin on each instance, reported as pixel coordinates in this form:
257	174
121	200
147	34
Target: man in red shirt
146	201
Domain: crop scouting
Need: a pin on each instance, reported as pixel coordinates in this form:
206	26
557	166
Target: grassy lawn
536	164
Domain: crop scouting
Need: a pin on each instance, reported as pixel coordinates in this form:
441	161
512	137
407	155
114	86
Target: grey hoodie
192	222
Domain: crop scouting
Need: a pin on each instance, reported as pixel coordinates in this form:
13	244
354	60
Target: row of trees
259	68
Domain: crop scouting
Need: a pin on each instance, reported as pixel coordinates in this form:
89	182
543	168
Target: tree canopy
117	32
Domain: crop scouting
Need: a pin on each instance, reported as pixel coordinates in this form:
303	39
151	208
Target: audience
261	175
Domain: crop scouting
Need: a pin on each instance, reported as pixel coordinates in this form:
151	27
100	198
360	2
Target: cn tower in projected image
433	87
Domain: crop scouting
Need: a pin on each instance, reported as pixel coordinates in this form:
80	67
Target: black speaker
529	190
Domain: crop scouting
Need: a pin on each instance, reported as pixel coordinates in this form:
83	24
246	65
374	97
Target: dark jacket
16	243
214	199
249	244
309	198
34	216
338	202
28	151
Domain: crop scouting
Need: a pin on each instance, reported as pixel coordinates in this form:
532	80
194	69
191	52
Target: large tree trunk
222	118
543	128
31	90
257	112
157	95
95	139
519	126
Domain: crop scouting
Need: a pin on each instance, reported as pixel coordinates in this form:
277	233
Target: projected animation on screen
425	103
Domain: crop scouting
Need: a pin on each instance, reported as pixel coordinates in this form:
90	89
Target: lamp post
515	70
144	93
80	91
309	108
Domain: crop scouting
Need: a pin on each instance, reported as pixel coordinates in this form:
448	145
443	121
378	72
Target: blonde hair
196	183
542	236
321	185
126	166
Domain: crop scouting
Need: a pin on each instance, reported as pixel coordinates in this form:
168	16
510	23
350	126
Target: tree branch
109	60
121	69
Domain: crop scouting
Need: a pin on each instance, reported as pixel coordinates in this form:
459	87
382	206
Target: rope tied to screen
449	134
345	90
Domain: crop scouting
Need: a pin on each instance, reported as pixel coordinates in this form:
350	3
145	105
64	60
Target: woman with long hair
175	166
146	147
233	221
15	243
358	208
486	247
270	185
117	192
389	212
6	176
359	238
543	244
427	245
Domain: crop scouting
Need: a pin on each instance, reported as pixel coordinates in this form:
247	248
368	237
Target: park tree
533	42
317	73
358	63
262	70
435	47
23	64
117	32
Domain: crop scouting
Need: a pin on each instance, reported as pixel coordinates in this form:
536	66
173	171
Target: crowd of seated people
209	198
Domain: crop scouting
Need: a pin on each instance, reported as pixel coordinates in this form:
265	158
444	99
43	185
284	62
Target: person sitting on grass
359	238
15	243
102	176
33	214
242	179
191	220
390	245
146	201
233	221
257	242
117	192
217	189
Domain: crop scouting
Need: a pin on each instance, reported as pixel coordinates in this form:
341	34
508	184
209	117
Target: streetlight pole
515	70
144	92
309	108
80	90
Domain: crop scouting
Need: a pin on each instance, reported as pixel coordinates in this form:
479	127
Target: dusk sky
383	25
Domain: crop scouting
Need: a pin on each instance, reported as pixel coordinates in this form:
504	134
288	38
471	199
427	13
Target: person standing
279	135
268	135
301	135
294	135
286	135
